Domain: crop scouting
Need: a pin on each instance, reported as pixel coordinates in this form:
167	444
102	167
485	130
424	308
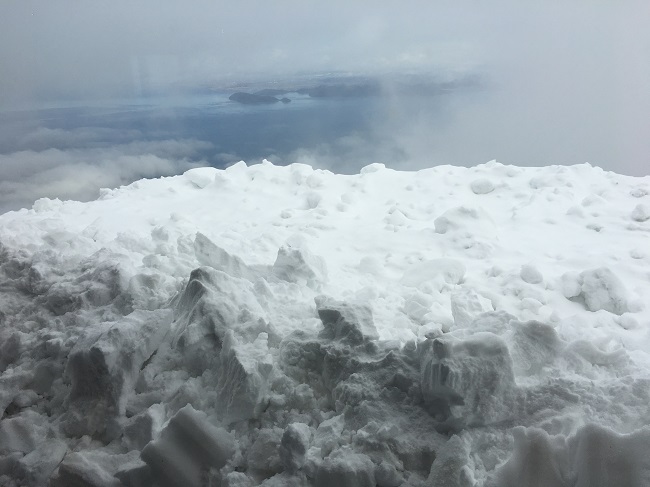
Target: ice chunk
243	377
188	446
36	467
104	367
345	468
641	213
299	265
328	434
531	274
473	376
91	469
417	306
23	432
450	271
142	428
211	304
294	446
352	323
482	186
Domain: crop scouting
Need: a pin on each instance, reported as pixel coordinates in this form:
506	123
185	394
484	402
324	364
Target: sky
568	81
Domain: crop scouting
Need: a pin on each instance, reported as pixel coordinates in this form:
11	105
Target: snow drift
285	326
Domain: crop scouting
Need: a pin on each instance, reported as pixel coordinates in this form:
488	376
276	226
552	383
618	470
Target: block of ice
212	303
467	381
243	378
351	323
36	467
93	468
22	432
104	366
187	448
142	428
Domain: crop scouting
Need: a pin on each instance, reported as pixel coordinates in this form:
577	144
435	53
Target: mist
559	83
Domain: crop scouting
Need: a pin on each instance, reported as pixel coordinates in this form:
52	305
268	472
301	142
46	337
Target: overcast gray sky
568	79
90	48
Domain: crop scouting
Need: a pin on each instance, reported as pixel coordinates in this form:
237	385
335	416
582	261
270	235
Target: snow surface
285	326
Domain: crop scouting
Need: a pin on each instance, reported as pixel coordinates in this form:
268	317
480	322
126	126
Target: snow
283	326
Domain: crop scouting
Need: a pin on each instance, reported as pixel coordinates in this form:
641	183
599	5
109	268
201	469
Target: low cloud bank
79	173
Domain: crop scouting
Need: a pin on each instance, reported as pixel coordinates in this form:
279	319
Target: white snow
284	326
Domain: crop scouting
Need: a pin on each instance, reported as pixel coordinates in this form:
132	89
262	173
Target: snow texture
286	326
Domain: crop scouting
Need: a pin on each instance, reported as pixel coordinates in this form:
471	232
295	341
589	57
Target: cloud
79	173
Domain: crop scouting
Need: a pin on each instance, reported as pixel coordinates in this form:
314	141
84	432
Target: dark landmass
252	99
358	87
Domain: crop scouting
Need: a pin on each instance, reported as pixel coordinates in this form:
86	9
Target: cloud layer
78	174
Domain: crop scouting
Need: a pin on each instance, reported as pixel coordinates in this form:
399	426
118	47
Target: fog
562	82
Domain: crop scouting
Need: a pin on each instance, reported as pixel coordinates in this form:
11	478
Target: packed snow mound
286	326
